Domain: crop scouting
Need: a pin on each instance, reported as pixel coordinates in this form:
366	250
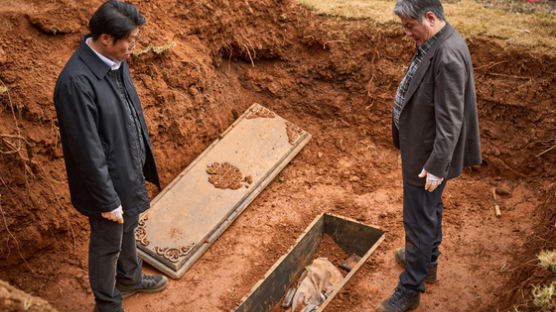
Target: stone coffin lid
201	202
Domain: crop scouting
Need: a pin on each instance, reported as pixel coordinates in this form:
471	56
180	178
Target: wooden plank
280	277
199	205
343	229
286	270
353	237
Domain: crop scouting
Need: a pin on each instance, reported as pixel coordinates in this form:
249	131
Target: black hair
116	19
416	9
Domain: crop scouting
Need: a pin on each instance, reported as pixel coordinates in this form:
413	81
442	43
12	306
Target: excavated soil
334	78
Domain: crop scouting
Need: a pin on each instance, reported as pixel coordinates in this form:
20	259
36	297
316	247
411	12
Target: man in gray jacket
435	126
107	152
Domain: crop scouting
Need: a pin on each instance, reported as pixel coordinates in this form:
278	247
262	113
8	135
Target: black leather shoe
96	309
399	254
149	284
402	300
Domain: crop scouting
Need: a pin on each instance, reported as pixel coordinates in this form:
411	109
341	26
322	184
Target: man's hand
114	215
432	181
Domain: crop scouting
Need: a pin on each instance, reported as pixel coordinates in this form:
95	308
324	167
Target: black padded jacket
97	145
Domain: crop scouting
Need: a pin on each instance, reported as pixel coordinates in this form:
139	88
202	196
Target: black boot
96	309
399	254
149	284
403	299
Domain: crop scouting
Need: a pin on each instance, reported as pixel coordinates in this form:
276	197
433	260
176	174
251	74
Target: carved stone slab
201	202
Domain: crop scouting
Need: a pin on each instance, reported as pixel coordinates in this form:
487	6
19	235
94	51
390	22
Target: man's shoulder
74	66
454	41
75	75
452	48
74	70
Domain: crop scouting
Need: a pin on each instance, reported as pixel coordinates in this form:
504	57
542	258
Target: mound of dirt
15	300
334	78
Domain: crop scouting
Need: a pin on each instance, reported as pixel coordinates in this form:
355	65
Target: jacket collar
91	60
420	73
114	65
446	32
426	47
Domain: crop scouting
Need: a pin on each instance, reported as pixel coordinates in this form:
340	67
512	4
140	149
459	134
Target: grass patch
156	49
3	89
307	4
379	11
542	296
469	17
547	260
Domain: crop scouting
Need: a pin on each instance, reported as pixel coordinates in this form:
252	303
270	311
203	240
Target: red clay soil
335	79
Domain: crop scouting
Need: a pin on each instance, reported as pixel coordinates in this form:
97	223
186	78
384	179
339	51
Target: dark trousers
422	219
112	256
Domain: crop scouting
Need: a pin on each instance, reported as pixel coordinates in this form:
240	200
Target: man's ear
431	18
105	40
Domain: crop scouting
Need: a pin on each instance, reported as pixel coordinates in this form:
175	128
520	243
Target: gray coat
438	125
102	173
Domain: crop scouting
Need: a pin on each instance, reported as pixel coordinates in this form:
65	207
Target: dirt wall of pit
322	73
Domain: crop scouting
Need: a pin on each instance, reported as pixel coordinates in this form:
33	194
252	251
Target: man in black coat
107	152
435	126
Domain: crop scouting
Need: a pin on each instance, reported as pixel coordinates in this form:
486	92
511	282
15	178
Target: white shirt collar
113	65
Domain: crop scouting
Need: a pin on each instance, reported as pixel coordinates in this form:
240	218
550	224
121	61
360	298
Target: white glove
432	181
115	215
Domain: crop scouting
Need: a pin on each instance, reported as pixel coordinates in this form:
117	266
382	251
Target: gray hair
416	9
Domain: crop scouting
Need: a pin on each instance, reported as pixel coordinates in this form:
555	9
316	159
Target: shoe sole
384	309
146	291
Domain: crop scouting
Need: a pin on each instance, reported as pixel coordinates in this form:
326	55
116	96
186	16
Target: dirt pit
333	77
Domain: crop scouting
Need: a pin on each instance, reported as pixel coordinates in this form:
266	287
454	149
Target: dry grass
547	260
470	18
3	89
543	297
156	49
379	11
